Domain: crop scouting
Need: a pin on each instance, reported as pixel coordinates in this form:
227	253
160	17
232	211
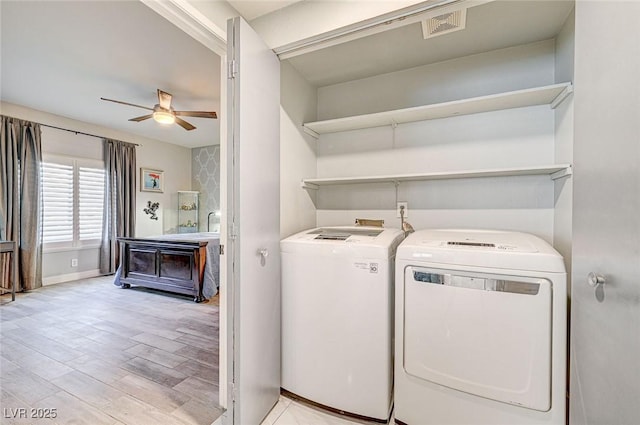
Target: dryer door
484	334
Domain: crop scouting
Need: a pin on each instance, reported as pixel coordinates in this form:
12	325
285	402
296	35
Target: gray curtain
119	217
20	199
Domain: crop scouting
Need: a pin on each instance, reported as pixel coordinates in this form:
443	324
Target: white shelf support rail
566	172
310	132
309	186
562	96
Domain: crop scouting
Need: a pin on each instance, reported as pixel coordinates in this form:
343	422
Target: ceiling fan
165	114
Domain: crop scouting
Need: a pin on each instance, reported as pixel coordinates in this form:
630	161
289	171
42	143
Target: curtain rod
85	134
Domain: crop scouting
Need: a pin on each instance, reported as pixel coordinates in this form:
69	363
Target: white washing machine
481	325
337	317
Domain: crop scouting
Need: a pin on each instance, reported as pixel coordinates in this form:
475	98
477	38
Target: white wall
174	160
517	137
297	151
475	75
562	233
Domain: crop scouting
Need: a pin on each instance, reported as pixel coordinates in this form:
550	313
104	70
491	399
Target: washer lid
352	241
344	233
482	248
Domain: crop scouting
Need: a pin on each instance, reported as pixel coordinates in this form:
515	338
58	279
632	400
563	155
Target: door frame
191	21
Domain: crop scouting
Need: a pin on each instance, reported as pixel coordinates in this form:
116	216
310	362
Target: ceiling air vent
444	24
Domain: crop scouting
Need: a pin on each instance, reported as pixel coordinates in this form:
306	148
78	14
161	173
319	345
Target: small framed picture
151	180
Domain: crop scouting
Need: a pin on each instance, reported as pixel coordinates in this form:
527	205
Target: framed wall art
151	180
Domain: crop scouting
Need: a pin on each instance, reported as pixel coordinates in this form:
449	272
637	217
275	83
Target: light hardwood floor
98	354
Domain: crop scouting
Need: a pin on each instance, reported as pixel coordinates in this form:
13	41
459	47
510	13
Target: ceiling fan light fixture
164	117
164	113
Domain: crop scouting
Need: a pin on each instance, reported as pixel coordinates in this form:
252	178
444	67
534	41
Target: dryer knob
595	279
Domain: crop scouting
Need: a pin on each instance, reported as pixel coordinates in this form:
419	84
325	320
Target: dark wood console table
174	266
10	247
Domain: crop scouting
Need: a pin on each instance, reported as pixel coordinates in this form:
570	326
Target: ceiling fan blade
182	123
198	114
142	118
127	103
164	99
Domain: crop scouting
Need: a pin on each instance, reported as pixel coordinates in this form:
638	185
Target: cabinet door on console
142	262
177	265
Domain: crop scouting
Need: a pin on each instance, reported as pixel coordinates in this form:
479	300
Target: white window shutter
90	203
72	195
57	197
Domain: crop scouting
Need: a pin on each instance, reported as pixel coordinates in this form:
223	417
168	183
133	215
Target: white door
253	208
605	319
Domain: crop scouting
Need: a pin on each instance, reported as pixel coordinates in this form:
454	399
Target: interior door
253	208
605	318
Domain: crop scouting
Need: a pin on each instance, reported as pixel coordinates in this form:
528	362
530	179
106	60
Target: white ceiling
490	26
62	56
251	9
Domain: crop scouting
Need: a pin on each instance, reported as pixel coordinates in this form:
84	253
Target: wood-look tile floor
98	354
296	412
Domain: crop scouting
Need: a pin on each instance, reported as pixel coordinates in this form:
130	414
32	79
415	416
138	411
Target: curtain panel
20	199
119	215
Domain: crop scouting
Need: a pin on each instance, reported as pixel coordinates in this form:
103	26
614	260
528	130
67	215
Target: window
90	203
72	196
57	206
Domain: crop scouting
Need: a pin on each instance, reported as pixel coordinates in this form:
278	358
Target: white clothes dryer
337	318
480	327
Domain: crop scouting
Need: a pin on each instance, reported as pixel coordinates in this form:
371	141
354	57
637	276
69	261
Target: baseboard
52	280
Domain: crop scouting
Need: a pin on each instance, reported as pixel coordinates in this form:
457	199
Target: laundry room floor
293	412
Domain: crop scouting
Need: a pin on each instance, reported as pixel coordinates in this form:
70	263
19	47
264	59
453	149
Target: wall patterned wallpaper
205	178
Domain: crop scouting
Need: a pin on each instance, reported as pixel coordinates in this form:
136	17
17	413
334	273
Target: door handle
264	253
596	279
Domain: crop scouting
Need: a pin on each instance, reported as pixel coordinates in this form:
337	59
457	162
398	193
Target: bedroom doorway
146	343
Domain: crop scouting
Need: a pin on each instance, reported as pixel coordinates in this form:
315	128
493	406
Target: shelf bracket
562	96
566	172
310	132
309	186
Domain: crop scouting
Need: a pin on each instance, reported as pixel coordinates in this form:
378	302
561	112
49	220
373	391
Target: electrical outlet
74	262
402	206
